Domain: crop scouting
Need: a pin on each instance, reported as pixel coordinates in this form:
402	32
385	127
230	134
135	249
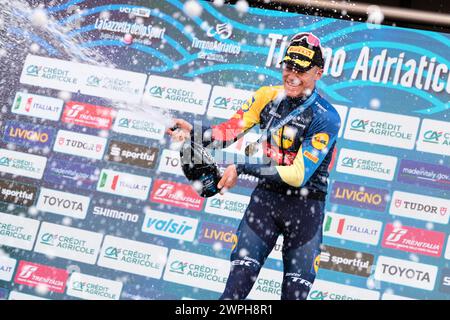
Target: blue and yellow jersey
300	151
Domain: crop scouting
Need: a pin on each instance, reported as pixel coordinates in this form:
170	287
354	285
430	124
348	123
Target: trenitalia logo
88	115
33	275
68	243
124	184
382	128
133	257
359	125
408	273
176	194
413	240
359	196
352	228
37	106
434	137
28	135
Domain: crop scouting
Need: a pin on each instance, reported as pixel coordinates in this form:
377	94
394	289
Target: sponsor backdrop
93	201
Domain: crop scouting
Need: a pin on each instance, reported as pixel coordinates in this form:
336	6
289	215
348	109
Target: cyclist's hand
229	179
181	133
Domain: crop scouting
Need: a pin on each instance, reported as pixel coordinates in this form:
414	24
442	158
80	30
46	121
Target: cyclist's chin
293	91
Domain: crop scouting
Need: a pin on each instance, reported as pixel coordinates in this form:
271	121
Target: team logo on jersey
320	140
310	156
248	104
285	136
316	262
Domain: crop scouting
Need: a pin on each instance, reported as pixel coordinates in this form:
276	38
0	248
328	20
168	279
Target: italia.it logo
33	70
157	91
359	125
112	253
432	136
104	179
340	227
28	104
178	266
348	162
221	102
48	239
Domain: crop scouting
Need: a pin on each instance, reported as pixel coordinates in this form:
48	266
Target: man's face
299	84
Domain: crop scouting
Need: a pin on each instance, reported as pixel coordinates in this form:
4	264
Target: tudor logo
398	203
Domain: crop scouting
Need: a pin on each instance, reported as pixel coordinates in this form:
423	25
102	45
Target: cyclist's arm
309	157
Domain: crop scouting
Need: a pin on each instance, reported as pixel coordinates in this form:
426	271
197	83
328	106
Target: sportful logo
413	240
79	144
88	115
176	194
359	196
69	243
33	275
352	228
347	261
17	193
408	273
133	257
424	174
124	184
366	164
37	106
132	154
17	232
445	281
421	207
434	137
170	225
28	135
381	128
63	203
23	164
180	95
